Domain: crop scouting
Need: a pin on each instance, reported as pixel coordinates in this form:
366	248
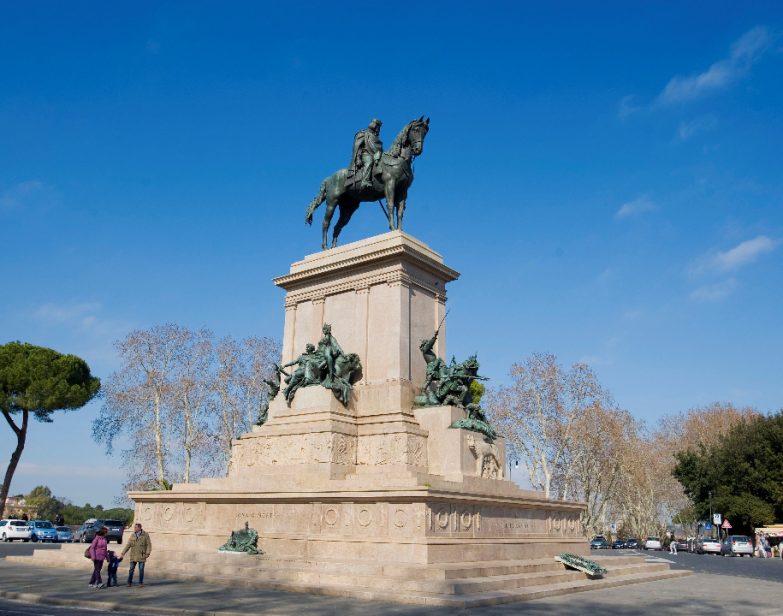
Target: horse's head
417	131
410	140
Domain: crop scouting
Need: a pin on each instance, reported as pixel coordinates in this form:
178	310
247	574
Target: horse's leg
330	205
318	200
346	211
390	204
400	212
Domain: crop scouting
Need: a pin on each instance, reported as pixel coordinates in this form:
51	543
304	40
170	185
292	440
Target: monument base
375	499
421	539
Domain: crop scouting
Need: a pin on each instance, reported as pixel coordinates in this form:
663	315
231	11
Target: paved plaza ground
718	586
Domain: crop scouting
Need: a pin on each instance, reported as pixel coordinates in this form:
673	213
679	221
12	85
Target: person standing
140	546
111	570
673	545
98	552
765	545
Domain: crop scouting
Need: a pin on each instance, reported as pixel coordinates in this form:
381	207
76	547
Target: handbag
87	553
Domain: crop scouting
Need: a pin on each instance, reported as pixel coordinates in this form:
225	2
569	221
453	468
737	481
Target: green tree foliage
743	471
46	505
38	381
73	514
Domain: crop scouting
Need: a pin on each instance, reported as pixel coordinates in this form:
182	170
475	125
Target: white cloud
744	53
714	292
53	314
83	317
43	471
735	258
743	254
627	106
695	127
637	206
16	196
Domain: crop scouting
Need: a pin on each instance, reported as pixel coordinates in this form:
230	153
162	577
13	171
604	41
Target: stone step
339	574
216	563
429	585
539	592
421	597
522	580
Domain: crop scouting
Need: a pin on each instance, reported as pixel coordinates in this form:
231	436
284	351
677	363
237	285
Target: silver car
734	545
706	545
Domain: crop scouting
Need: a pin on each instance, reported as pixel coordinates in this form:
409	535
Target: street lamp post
516	465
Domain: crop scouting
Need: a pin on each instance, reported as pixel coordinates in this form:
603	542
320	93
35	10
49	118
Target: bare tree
239	385
702	426
137	396
538	413
597	458
191	398
179	400
641	500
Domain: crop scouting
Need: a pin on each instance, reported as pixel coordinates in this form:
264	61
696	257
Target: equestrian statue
371	175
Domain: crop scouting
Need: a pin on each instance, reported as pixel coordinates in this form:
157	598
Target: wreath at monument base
476	425
590	567
244	541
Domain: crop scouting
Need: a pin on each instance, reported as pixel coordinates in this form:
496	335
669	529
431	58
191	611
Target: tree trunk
159	443
21	436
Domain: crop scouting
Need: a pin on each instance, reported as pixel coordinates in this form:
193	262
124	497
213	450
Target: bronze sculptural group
451	385
273	387
371	175
326	365
244	541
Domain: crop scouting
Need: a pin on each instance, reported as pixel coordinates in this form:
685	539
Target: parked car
618	544
14	529
737	544
599	542
653	543
64	534
79	533
42	530
632	544
707	545
86	532
681	544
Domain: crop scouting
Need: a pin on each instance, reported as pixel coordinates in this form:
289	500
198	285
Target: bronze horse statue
392	176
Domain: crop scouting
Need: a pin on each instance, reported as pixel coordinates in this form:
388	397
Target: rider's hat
376	122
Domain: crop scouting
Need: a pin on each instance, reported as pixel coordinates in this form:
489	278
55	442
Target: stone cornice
390	247
523	500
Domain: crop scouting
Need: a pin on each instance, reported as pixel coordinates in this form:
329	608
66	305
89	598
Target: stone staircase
446	584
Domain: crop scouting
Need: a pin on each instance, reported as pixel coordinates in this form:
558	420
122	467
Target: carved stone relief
399	448
487	457
288	449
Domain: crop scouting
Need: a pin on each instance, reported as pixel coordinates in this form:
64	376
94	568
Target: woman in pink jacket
98	552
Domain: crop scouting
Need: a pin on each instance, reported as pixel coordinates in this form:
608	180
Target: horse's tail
317	200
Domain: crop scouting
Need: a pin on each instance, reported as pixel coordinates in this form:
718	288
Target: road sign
716	518
725	525
707	526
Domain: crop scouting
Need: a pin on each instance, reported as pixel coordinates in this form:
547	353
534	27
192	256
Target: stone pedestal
376	481
381	296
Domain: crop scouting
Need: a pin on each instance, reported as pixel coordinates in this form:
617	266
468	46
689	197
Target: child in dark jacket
114	563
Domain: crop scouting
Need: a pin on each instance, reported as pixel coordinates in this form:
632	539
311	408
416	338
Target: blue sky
606	179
